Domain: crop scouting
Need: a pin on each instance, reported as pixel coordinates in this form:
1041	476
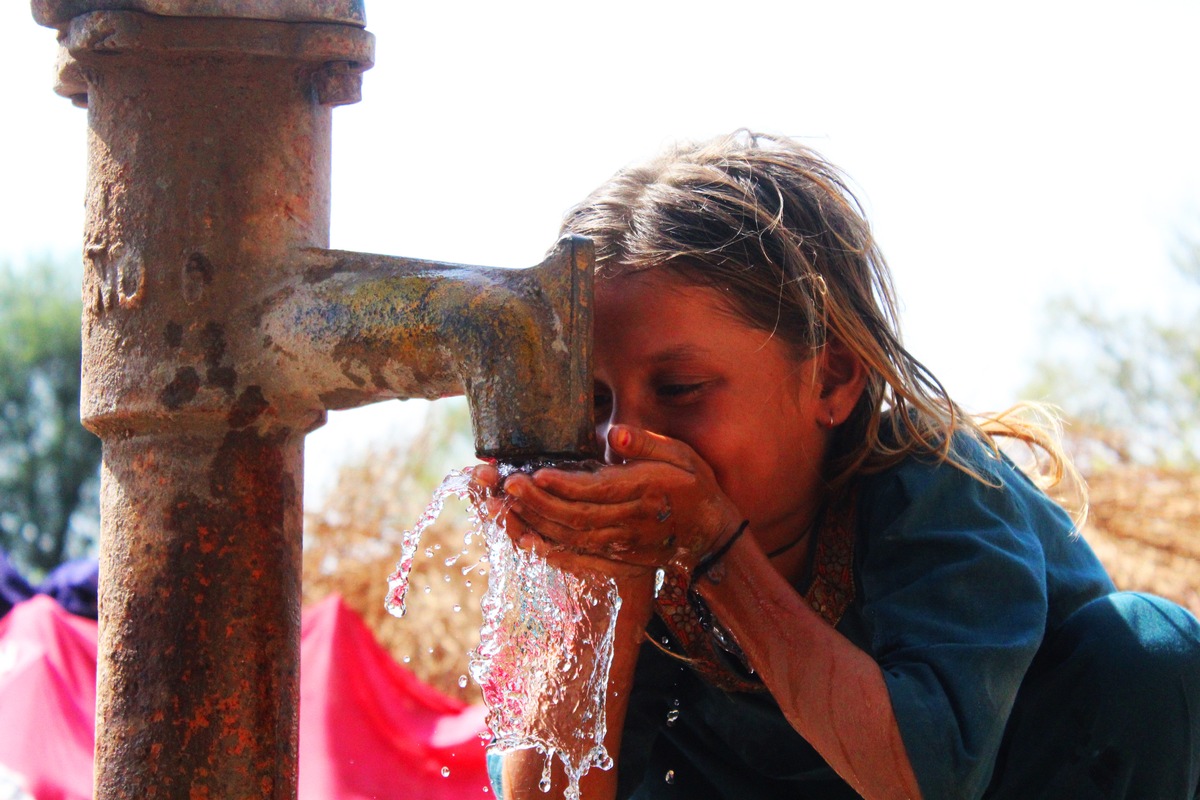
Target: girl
862	596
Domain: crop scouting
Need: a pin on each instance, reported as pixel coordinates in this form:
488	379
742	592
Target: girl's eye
678	391
601	399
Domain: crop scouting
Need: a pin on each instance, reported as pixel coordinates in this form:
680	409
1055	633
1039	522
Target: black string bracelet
710	560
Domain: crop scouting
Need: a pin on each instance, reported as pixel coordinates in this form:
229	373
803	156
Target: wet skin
708	422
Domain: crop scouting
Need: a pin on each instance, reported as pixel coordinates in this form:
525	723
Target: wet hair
775	228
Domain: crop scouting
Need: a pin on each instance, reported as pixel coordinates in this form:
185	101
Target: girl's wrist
711	566
637	595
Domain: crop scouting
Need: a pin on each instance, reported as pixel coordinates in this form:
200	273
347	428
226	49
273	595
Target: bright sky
1005	153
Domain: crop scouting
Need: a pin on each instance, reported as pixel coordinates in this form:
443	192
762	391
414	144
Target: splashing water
545	647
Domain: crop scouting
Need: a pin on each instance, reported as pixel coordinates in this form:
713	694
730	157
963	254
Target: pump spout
358	328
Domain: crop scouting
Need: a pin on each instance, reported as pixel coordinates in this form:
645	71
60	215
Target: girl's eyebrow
682	352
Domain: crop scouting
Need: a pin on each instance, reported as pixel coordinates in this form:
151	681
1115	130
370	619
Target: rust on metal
55	13
339	54
199	625
219	330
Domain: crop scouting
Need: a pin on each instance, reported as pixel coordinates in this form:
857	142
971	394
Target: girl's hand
635	582
662	505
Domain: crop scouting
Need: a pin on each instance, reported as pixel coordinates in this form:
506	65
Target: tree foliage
49	464
1135	376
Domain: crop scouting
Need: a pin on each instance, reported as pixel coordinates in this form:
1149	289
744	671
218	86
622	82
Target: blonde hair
775	228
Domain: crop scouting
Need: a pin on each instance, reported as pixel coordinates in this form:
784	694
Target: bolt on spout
516	342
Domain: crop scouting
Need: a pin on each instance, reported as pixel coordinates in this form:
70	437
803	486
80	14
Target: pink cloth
48	698
369	728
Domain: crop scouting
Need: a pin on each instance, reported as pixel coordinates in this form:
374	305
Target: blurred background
1032	175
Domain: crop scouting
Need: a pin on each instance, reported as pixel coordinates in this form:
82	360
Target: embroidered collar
709	649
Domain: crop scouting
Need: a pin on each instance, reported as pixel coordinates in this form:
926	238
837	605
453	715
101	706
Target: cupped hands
657	504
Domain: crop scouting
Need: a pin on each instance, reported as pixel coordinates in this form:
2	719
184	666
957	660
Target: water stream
545	647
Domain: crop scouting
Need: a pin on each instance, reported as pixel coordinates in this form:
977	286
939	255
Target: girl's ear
843	379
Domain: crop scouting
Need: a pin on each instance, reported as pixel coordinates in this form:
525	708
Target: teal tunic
1012	667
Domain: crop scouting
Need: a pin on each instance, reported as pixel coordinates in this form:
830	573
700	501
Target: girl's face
670	357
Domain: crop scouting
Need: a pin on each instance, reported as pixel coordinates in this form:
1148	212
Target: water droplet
670	776
456	608
468	584
407	659
445	772
446	578
672	717
462	681
429	552
449	562
428	589
486	790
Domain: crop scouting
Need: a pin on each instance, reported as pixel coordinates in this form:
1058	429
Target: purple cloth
13	587
73	585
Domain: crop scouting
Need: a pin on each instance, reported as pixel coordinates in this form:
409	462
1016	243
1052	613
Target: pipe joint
336	54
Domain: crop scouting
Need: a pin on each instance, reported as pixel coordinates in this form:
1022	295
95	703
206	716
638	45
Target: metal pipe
357	328
218	331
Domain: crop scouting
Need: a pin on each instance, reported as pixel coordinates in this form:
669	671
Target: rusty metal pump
219	329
